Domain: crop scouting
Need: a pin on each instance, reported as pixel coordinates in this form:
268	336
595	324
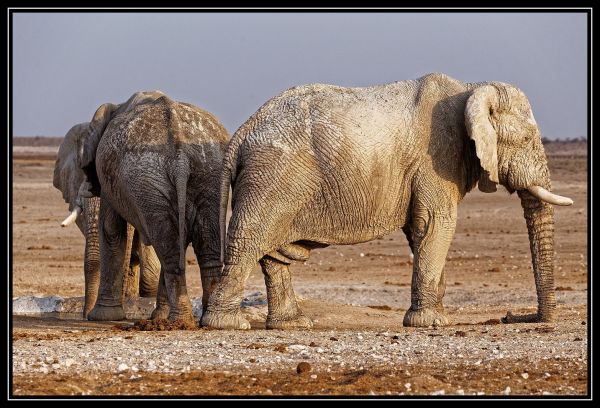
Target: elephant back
164	122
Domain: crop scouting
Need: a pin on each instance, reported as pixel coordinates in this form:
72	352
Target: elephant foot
104	313
160	312
224	320
86	312
300	321
425	317
527	318
187	317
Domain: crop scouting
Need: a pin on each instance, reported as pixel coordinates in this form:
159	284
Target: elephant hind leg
161	311
223	308
167	249
284	312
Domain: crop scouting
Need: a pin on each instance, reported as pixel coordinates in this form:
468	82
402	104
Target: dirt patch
158	325
380	307
549	377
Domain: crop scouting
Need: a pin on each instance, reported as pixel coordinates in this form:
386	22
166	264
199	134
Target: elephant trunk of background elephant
540	226
92	253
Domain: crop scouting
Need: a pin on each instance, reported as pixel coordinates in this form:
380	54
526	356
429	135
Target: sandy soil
357	296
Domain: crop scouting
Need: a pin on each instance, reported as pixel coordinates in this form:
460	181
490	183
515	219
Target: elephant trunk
91	266
539	216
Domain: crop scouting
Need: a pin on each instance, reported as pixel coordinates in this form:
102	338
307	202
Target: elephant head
67	174
508	145
68	178
88	144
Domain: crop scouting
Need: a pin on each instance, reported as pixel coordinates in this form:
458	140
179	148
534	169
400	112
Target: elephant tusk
547	196
72	217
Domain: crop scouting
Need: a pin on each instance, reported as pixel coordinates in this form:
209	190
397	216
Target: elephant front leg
113	241
432	235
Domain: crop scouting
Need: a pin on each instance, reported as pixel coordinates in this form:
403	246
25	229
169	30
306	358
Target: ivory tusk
72	217
547	196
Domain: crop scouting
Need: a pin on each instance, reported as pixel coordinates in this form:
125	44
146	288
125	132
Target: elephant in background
142	269
157	166
320	165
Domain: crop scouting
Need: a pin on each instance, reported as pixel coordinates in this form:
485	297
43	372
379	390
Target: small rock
480	393
282	348
313	376
297	347
407	386
69	362
506	391
303	367
525	375
333	339
460	333
122	367
49	360
460	391
56	366
134	369
312	344
546	375
371	392
546	393
438	392
320	350
268	391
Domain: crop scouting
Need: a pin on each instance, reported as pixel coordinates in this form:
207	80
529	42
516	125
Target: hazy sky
67	64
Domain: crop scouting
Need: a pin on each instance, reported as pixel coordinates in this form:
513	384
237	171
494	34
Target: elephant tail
224	198
182	175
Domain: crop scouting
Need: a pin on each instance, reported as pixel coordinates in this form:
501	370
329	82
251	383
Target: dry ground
357	296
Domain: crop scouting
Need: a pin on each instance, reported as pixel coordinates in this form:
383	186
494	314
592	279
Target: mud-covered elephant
157	166
320	165
142	269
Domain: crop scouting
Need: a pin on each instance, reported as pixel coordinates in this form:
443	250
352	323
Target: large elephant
321	165
142	269
157	166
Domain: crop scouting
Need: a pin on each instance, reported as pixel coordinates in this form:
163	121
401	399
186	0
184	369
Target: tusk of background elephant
71	218
547	196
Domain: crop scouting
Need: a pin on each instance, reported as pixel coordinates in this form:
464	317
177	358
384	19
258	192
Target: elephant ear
88	145
68	176
480	106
